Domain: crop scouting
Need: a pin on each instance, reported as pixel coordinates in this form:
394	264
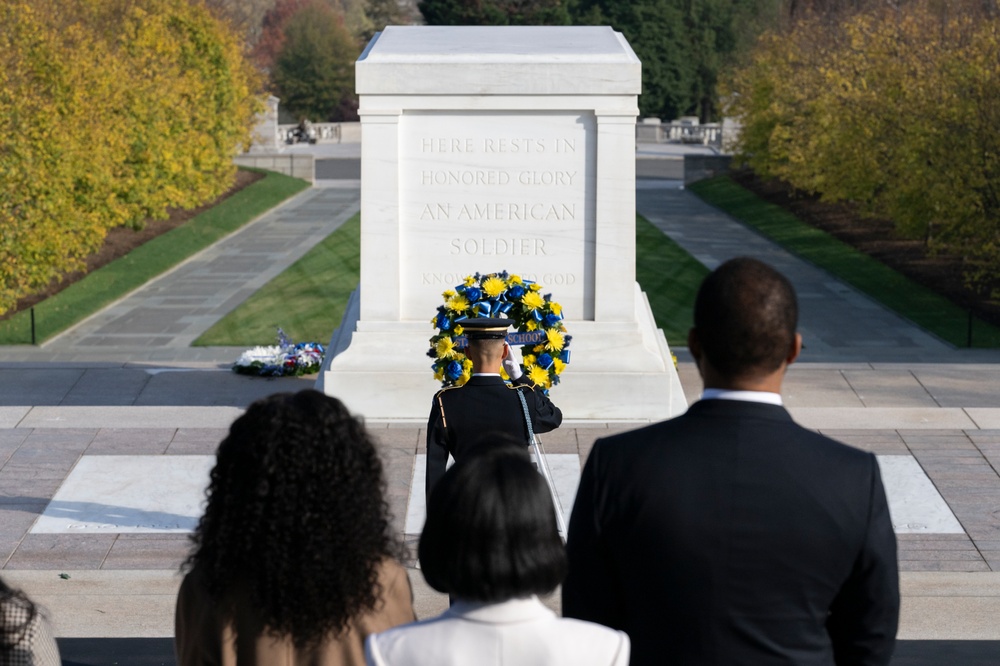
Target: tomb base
619	371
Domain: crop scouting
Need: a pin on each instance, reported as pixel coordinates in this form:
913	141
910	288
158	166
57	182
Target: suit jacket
460	417
204	637
731	535
519	632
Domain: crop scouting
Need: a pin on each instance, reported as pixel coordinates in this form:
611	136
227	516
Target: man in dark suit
464	418
731	535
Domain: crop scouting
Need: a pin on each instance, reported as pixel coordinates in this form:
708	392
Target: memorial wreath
537	318
283	359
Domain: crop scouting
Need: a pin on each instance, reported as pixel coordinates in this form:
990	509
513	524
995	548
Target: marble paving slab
882	418
130	417
123	494
987	418
915	505
128	495
11	416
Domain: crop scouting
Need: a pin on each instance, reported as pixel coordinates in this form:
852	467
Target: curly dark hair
296	523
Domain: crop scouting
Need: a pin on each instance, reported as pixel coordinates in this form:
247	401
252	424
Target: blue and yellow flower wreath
537	318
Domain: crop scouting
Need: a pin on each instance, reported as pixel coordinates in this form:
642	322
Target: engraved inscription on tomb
491	192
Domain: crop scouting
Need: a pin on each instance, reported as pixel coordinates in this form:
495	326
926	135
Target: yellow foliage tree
895	110
112	111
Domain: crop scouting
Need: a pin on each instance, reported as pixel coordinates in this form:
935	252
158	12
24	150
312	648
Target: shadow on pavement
160	652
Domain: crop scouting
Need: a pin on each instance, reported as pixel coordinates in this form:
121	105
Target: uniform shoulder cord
444	421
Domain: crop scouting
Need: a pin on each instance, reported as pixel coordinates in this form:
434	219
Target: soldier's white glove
512	362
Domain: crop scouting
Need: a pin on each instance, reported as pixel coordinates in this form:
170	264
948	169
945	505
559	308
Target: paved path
160	320
125	384
838	323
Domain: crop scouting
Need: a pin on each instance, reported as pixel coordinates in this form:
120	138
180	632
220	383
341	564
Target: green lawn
670	277
126	274
307	300
918	304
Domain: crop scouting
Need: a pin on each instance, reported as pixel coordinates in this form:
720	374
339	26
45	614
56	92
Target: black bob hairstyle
491	530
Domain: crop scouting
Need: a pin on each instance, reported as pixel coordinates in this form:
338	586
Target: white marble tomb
500	148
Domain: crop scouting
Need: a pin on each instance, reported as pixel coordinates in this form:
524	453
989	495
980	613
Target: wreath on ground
286	359
537	318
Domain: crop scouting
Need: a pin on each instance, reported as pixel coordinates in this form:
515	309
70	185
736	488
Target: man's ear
795	350
694	344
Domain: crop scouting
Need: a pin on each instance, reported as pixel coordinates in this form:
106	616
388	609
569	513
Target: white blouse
519	632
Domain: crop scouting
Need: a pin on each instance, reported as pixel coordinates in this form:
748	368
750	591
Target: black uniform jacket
731	535
461	417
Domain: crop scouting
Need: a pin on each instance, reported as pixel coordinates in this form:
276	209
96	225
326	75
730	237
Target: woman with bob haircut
491	542
293	561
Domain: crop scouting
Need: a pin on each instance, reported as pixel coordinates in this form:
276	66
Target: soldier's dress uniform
462	417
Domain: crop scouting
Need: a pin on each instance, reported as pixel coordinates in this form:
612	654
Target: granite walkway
838	323
159	321
125	389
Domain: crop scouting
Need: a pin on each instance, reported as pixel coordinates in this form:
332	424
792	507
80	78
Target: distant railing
684	130
325	132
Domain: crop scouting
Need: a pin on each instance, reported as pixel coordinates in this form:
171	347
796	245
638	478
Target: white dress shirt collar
512	610
746	396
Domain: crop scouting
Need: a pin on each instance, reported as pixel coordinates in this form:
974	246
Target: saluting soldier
463	417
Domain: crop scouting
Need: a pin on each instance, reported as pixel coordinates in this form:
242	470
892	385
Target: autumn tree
314	72
245	17
894	110
495	12
272	34
683	45
382	13
111	111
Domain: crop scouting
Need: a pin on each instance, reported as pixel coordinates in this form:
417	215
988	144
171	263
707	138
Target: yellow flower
515	279
469	281
539	376
555	340
466	376
467	364
556	308
532	300
439	374
458	330
558	365
494	286
531	325
535	287
445	348
457	303
529	360
448	294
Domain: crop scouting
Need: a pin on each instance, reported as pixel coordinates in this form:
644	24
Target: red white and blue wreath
537	318
283	359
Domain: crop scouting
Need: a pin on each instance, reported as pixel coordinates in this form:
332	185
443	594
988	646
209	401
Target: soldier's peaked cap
486	328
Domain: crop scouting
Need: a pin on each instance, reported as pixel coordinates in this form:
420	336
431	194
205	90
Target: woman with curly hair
25	636
294	561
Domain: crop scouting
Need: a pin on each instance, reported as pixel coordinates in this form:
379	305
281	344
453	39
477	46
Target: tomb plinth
500	148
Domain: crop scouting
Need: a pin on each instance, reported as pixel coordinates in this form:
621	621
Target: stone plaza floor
88	419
